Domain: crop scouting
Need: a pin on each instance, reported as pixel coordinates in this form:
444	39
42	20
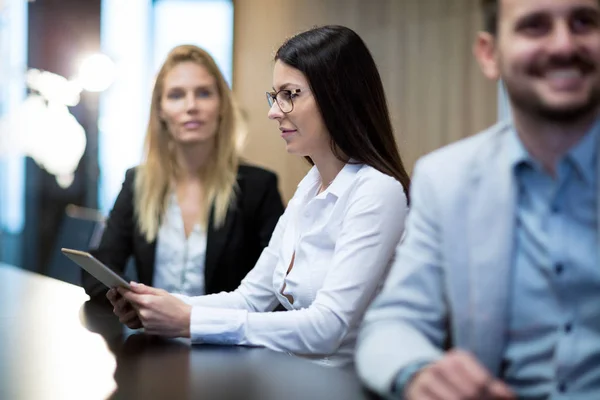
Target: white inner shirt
179	261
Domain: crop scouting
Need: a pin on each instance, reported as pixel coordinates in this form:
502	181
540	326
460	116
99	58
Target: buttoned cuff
405	376
217	325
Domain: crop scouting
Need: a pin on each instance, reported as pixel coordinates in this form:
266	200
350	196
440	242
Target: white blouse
179	261
342	240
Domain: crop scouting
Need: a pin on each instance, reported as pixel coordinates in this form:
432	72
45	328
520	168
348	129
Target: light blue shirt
553	346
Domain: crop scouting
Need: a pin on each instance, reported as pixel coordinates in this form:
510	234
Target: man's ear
485	51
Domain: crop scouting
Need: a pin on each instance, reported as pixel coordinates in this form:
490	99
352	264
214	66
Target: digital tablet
98	270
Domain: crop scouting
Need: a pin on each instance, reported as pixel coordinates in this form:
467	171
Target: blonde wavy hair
155	175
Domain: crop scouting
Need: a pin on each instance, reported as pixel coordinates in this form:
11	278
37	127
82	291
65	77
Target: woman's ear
485	51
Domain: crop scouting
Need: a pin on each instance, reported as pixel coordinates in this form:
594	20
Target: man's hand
457	376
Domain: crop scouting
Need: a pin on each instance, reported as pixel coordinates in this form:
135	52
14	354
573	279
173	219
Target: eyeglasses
284	99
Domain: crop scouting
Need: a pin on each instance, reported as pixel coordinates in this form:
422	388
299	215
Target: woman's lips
192	124
287	132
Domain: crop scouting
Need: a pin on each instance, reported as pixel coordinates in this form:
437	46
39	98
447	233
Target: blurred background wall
435	90
13	59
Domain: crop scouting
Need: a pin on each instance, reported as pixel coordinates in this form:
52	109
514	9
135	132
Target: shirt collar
518	154
584	155
344	179
310	179
338	186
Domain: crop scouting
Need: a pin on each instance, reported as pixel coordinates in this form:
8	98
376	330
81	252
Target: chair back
81	229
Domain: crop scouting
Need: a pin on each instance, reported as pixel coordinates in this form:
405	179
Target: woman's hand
159	312
123	309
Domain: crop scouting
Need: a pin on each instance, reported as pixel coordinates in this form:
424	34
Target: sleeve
116	245
405	376
372	226
405	326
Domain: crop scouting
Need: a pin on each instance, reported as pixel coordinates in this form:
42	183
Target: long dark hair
346	84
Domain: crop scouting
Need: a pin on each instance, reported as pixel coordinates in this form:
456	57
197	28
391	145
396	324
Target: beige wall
435	90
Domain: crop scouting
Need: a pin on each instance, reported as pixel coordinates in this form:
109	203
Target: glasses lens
284	100
270	99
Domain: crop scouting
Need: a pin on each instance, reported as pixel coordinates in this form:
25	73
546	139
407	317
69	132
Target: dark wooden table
54	344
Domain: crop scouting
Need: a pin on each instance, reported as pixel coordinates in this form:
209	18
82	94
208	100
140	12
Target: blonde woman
194	218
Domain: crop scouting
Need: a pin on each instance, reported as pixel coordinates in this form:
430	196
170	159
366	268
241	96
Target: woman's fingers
112	295
128	317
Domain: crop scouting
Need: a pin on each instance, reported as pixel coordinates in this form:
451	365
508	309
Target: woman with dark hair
346	85
331	249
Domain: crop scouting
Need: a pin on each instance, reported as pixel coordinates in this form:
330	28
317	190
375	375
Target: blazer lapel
598	194
491	222
216	241
146	253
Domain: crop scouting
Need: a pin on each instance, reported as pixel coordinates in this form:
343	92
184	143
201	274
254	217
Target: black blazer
231	251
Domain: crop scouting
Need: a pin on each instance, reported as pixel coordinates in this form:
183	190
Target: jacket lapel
598	193
491	223
146	252
216	241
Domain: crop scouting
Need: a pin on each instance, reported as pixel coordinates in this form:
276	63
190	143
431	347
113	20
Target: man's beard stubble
528	102
531	104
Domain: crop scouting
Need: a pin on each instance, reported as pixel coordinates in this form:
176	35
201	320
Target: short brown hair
490	15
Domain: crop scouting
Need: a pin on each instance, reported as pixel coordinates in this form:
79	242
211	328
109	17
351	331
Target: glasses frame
272	98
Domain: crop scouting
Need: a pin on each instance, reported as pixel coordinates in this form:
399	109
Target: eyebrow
193	88
542	14
585	10
529	18
287	86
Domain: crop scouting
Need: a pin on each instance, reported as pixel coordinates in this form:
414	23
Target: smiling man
495	290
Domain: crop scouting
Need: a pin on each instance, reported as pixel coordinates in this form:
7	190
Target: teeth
565	74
